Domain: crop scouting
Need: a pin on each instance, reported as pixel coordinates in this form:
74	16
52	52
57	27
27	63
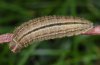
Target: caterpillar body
47	27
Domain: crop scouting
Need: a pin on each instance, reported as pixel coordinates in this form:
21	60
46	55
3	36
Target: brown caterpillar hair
48	27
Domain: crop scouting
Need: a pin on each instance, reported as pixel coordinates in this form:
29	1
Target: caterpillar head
14	46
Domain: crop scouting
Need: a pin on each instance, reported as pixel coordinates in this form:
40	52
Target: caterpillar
47	27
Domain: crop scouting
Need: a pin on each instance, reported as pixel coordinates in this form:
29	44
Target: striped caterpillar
48	27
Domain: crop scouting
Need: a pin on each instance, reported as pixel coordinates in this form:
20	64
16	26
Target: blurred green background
76	50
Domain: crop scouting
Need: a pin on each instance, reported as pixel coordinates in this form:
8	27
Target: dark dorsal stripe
50	25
